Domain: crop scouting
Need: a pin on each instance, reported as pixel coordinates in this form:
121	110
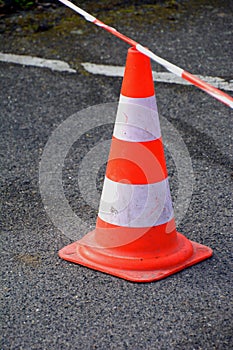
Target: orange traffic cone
135	236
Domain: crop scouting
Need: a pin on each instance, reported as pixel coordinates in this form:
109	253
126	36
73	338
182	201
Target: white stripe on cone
136	205
137	119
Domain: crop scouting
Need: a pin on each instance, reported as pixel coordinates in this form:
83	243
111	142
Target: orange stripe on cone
131	162
135	236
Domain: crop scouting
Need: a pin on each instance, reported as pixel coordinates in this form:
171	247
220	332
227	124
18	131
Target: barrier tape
201	84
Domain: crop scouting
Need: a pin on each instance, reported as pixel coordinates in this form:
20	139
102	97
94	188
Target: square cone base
137	269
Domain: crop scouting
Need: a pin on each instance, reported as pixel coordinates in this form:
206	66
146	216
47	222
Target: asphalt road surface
48	303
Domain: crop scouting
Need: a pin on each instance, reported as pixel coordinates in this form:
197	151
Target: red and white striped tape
201	84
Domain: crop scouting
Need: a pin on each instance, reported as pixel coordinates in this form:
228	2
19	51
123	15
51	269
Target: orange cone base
137	269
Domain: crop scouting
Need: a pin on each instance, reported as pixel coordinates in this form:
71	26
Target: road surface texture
48	303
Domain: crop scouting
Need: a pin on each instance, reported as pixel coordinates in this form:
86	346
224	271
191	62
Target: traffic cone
135	236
